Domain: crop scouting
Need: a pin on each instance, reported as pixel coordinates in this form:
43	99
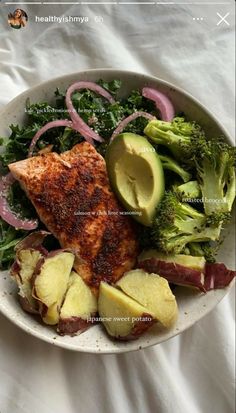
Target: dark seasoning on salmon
73	198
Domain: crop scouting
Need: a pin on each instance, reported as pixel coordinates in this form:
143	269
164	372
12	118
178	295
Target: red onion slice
49	125
86	132
5	211
163	103
129	119
78	122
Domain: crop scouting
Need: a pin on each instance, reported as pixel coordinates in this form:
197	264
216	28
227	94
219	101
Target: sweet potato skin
217	275
139	328
214	275
174	273
74	325
26	306
26	301
34	241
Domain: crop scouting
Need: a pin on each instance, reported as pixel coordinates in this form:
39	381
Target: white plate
192	306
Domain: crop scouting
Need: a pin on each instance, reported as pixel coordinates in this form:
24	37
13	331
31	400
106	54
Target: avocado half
136	175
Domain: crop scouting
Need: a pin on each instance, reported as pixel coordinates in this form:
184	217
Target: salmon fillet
73	198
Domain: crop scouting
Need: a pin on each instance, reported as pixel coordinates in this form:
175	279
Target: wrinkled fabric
193	372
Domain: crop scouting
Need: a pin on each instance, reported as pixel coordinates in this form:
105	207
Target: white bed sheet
193	372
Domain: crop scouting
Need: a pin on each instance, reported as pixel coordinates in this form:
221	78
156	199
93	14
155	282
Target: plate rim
128	72
92	350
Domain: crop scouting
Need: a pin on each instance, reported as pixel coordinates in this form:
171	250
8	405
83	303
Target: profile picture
17	19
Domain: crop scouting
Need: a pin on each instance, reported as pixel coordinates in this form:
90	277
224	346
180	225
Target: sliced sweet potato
189	261
79	307
50	282
22	271
178	269
153	293
123	317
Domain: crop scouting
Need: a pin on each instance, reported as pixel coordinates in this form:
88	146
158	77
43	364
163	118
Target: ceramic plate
192	305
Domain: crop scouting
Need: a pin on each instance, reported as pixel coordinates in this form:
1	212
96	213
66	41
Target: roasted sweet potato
79	307
123	317
50	281
153	293
22	271
177	269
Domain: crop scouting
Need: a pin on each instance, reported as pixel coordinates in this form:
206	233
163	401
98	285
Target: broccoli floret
178	224
172	165
188	192
195	249
176	135
215	164
204	249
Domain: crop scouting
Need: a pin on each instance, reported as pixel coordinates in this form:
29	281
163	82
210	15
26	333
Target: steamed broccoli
178	224
172	165
215	164
176	135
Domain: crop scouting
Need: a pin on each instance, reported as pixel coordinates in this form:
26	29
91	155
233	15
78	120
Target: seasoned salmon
73	198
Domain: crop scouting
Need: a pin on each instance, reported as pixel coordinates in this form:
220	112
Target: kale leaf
96	111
